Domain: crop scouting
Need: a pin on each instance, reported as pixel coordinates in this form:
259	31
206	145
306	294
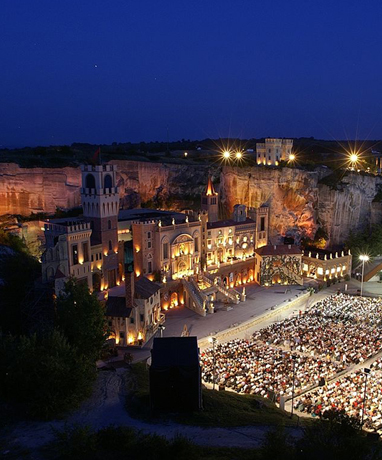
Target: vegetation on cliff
368	241
310	152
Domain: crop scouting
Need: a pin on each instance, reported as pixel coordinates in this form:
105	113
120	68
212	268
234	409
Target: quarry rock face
27	190
291	195
350	207
299	203
161	182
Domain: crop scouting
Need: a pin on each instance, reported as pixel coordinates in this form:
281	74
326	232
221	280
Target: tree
43	374
18	270
81	318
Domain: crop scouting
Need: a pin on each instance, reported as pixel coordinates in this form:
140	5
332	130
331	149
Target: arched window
90	181
110	245
108	181
109	224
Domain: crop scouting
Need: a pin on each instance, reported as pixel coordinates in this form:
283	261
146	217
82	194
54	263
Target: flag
96	159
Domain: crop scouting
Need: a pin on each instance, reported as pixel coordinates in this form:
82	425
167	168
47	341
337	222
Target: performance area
320	350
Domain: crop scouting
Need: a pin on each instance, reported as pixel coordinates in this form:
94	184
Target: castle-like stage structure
165	259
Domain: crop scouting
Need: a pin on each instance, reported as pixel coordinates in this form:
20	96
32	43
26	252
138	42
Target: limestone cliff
291	194
298	202
350	206
27	190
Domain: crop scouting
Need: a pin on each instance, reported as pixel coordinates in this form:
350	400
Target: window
121	335
110	245
209	255
92	258
109	224
75	254
142	317
100	255
149	244
132	320
149	267
85	251
262	224
148	235
165	250
108	181
196	244
110	323
90	181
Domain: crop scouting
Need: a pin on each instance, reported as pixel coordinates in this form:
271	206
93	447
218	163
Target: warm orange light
239	155
292	157
210	188
353	157
226	154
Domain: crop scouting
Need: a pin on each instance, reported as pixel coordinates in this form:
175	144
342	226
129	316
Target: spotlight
239	155
353	158
226	154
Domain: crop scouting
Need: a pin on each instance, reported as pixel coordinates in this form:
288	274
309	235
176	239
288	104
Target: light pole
294	357
213	341
367	372
364	259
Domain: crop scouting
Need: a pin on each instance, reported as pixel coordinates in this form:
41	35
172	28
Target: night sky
120	70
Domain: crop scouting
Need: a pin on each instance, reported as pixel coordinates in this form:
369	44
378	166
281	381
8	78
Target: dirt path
106	407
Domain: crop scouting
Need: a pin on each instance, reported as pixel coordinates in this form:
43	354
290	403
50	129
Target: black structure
175	376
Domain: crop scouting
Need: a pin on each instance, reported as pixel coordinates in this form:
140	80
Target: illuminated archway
174	300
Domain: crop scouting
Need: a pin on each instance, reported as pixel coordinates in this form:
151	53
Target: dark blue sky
120	70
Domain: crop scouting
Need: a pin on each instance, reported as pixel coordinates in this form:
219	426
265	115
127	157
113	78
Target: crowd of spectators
316	345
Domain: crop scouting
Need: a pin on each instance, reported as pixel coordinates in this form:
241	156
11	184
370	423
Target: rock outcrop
291	195
27	190
32	190
299	203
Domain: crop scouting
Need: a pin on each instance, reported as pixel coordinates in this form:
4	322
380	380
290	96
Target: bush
75	442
